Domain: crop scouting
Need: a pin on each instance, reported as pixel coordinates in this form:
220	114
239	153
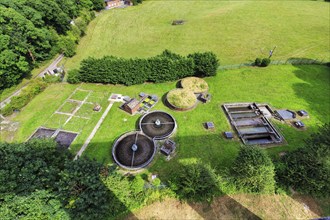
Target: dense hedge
167	66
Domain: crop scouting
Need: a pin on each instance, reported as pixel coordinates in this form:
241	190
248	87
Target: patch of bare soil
234	207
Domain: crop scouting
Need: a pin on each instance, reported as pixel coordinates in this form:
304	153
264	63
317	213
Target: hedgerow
165	67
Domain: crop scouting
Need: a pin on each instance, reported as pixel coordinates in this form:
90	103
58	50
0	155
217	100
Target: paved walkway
97	126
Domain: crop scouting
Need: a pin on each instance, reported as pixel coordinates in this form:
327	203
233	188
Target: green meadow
236	31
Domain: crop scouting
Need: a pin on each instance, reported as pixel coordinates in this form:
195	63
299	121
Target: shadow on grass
317	81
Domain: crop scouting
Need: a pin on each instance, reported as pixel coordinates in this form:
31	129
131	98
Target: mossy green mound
195	84
181	98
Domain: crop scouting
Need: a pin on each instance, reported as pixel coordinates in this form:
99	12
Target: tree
206	64
253	171
82	190
12	68
37	205
67	45
307	169
195	182
29	166
98	4
73	76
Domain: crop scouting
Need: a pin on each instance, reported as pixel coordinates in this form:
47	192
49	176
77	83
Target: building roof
132	103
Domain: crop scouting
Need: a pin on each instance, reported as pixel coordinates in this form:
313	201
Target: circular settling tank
133	150
157	124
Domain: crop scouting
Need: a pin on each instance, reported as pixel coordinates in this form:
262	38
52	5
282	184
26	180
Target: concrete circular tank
133	150
157	124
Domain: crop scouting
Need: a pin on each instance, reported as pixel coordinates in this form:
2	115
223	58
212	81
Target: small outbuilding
131	106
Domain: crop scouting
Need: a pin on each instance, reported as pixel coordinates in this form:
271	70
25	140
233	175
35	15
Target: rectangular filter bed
251	123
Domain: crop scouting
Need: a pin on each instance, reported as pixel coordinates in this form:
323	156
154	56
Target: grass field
237	31
283	87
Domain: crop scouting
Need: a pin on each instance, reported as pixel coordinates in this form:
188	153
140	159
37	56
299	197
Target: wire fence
292	61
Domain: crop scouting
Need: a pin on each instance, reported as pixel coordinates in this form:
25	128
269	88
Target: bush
73	76
265	62
307	169
253	171
67	44
195	182
257	62
206	64
28	93
52	78
165	67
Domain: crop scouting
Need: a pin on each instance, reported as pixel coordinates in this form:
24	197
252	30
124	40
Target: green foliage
262	62
29	166
129	192
27	94
35	30
206	64
82	190
137	185
73	76
257	62
66	186
165	67
37	205
67	45
307	169
197	182
98	4
265	62
253	171
52	78
156	182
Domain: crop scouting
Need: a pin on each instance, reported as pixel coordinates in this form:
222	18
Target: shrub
206	64
73	76
52	78
307	168
253	171
257	62
265	62
67	44
197	182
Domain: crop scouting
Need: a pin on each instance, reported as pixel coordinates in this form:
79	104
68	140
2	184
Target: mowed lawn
236	31
282	87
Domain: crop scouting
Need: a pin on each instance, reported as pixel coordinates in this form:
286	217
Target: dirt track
233	207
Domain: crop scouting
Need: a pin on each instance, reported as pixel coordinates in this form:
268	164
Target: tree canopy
39	178
253	171
307	169
30	32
